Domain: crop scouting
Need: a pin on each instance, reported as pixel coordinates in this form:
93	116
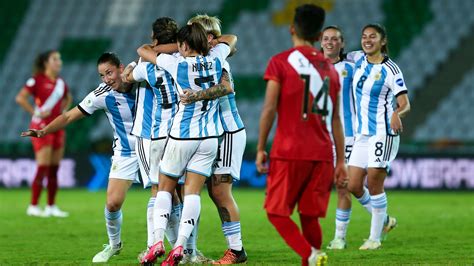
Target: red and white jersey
309	88
48	96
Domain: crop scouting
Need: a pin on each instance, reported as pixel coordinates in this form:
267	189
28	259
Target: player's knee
342	192
113	205
355	189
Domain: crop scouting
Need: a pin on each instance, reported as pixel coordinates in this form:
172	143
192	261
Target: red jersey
48	96
306	77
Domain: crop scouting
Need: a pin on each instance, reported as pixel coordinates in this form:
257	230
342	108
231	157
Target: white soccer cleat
196	258
337	243
107	253
317	258
391	223
54	211
370	245
34	210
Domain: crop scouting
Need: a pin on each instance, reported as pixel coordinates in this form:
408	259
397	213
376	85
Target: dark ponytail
195	37
39	66
383	33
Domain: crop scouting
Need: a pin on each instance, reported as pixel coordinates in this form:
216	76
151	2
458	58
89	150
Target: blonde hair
212	25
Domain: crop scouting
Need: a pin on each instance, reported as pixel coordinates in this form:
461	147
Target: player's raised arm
59	123
190	96
229	39
149	52
266	122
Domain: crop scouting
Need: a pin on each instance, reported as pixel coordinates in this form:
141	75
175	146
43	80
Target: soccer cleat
370	245
107	253
54	211
142	254
391	223
337	243
197	258
174	257
317	258
155	251
34	210
232	257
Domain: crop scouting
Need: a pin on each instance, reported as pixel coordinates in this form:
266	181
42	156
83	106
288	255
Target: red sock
52	184
312	230
37	184
290	232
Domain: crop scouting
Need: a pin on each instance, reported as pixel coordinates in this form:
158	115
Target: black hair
165	30
109	57
383	34
308	21
342	55
195	37
39	65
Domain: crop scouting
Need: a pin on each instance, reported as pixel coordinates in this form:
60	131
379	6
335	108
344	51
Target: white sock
161	215
173	224
365	200
379	213
233	235
113	222
189	218
149	221
191	242
342	222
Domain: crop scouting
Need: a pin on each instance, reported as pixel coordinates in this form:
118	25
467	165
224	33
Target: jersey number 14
322	93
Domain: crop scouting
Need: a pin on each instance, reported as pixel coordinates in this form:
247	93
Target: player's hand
340	175
261	162
188	96
396	123
36	133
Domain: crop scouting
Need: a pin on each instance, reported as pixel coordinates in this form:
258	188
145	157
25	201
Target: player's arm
214	92
266	122
59	123
128	71
66	102
403	107
229	39
340	172
22	99
149	52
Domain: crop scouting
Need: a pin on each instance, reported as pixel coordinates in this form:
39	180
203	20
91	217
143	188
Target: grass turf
434	228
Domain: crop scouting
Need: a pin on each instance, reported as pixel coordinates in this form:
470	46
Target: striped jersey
143	111
198	120
119	108
375	87
165	100
345	70
228	112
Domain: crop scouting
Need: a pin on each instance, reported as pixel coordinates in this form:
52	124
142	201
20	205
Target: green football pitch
434	228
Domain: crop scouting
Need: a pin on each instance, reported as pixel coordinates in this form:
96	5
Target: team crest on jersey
378	76
399	82
114	167
89	103
344	73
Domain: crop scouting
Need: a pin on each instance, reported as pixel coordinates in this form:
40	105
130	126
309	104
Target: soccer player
332	45
302	87
51	97
229	159
377	82
192	142
116	99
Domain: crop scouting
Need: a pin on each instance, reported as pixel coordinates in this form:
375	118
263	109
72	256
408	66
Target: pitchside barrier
406	172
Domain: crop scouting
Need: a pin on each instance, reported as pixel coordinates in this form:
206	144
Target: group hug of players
175	121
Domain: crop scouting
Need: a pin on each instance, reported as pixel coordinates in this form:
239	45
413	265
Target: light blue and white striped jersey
198	120
142	122
165	101
228	112
345	70
375	88
119	108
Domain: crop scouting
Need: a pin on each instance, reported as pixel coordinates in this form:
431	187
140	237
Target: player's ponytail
39	65
383	34
195	37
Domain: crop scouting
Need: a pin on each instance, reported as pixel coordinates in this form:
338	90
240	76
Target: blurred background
431	41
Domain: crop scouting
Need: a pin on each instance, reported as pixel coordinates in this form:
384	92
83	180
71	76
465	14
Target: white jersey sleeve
94	100
354	56
221	51
398	85
167	62
140	72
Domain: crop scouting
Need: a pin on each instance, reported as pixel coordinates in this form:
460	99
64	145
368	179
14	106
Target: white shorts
374	151
195	156
348	143
230	154
125	168
156	153
142	148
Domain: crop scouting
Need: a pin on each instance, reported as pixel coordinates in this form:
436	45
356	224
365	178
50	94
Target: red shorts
307	183
56	140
